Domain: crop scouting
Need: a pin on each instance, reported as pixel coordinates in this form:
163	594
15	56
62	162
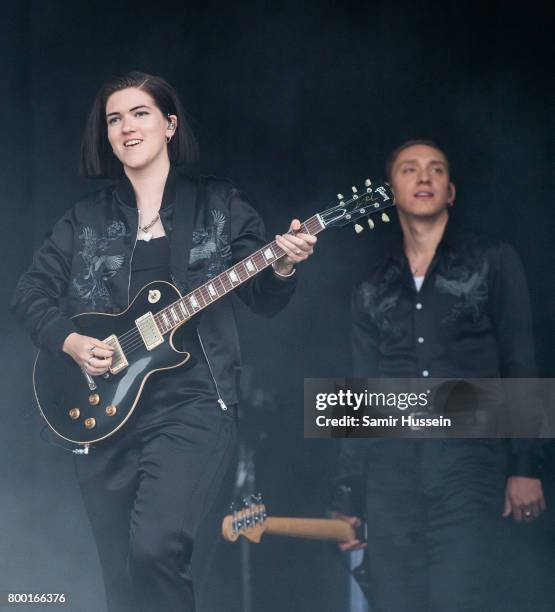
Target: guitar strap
188	197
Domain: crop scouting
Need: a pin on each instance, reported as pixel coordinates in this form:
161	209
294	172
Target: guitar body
83	415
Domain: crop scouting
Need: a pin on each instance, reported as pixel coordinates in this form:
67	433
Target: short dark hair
97	157
428	142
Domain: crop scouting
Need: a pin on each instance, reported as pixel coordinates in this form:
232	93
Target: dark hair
411	143
97	157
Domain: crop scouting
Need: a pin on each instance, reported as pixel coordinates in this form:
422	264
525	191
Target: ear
172	125
452	192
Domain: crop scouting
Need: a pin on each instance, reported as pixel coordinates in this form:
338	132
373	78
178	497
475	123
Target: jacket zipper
131	258
220	400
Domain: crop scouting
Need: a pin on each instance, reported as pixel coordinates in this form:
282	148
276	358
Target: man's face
420	181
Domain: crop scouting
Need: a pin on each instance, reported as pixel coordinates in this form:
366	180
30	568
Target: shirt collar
125	193
452	236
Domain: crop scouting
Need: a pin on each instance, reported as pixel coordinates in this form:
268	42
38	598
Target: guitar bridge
149	331
119	361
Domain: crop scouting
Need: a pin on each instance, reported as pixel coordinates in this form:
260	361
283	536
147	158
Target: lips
424	194
132	142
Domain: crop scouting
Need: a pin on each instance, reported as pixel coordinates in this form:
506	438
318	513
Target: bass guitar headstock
247	519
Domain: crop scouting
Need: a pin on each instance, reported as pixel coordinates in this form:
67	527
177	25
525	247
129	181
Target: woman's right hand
90	354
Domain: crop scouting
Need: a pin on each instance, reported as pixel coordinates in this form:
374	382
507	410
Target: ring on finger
527	513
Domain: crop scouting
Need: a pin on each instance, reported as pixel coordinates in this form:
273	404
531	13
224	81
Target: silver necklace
146	235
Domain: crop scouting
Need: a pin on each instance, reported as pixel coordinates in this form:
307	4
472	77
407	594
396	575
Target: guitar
250	520
83	409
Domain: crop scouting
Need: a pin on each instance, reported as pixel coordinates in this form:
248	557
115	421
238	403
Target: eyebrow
130	110
413	161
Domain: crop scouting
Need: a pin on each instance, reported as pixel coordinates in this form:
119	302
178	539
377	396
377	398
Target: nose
424	176
127	124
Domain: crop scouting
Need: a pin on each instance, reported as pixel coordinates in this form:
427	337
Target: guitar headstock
369	201
247	519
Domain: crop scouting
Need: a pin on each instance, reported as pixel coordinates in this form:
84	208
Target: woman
148	485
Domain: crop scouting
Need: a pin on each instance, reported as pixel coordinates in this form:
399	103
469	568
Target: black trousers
146	490
433	511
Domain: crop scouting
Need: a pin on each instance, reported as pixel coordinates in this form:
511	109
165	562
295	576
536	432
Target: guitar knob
385	218
370	224
367	182
74	413
94	399
90	423
111	410
339	196
354	189
358	228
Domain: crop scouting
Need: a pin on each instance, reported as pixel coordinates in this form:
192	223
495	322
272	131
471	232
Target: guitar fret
242	272
165	319
194	303
183	309
259	260
220	280
232	276
212	290
200	297
249	264
175	315
204	296
269	253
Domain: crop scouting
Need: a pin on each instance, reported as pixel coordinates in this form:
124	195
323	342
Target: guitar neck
317	529
173	315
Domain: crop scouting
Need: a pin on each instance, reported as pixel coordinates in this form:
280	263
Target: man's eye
438	170
406	170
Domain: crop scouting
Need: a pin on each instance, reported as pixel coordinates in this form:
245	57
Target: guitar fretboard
201	297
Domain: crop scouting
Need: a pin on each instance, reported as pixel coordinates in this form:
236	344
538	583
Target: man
439	304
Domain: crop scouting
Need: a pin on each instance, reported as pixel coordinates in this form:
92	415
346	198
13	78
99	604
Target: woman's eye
141	113
113	120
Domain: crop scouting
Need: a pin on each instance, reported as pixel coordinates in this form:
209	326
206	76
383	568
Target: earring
171	126
168	138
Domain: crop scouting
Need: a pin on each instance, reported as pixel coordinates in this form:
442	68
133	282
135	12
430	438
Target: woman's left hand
297	246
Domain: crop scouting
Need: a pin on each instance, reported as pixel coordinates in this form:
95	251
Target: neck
148	184
420	239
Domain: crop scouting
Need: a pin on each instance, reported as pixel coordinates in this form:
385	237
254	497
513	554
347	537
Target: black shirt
170	389
470	319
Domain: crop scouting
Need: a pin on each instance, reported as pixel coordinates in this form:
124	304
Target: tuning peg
385	218
358	228
339	196
367	183
354	189
370	224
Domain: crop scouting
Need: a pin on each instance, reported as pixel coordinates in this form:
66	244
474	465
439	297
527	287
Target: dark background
294	102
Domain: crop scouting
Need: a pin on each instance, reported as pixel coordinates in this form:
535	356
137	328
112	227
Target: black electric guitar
85	409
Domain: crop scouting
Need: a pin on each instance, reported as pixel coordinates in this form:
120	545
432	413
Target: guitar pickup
119	361
149	331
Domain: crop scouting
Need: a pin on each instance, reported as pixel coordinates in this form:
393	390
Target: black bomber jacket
85	266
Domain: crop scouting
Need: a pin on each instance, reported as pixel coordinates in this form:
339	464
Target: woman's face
137	130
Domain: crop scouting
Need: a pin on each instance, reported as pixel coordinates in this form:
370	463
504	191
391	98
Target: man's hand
354	521
297	247
523	498
90	354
